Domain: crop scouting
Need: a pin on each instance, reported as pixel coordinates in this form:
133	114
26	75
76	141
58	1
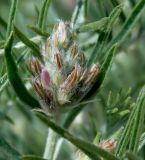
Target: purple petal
45	79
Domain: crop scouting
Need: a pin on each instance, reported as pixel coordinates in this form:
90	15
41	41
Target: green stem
50	145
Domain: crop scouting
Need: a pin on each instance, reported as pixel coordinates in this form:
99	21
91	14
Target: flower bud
38	88
92	74
58	60
73	50
34	67
62	35
46	47
108	145
82	59
45	79
68	85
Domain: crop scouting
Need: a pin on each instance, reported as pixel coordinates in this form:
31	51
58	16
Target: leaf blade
7	151
129	23
11	16
31	157
27	42
94	26
14	78
43	14
86	147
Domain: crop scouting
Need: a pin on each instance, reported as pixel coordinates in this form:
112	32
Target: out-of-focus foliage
20	131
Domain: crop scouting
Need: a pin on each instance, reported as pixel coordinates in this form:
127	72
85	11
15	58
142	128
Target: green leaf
31	157
104	35
39	31
97	138
7	151
129	23
80	11
43	14
71	116
138	122
114	15
27	42
3	82
122	15
2	43
86	4
3	116
131	156
11	16
21	45
141	142
3	23
125	136
133	129
23	56
94	26
90	149
2	71
14	78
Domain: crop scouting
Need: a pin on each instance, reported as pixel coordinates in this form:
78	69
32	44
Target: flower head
63	77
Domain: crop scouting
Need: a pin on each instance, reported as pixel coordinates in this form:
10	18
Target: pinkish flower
45	79
108	144
63	79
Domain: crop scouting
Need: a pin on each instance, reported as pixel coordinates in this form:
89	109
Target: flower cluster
108	144
63	77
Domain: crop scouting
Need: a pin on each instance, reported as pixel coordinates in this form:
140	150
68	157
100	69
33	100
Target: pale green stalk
50	145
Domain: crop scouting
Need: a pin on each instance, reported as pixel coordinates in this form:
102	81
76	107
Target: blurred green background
17	123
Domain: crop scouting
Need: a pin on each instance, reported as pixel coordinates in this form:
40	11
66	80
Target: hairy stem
50	145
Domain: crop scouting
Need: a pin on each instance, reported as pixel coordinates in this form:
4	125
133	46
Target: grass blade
14	78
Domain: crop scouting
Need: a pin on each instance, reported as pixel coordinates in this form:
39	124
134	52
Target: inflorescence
63	79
